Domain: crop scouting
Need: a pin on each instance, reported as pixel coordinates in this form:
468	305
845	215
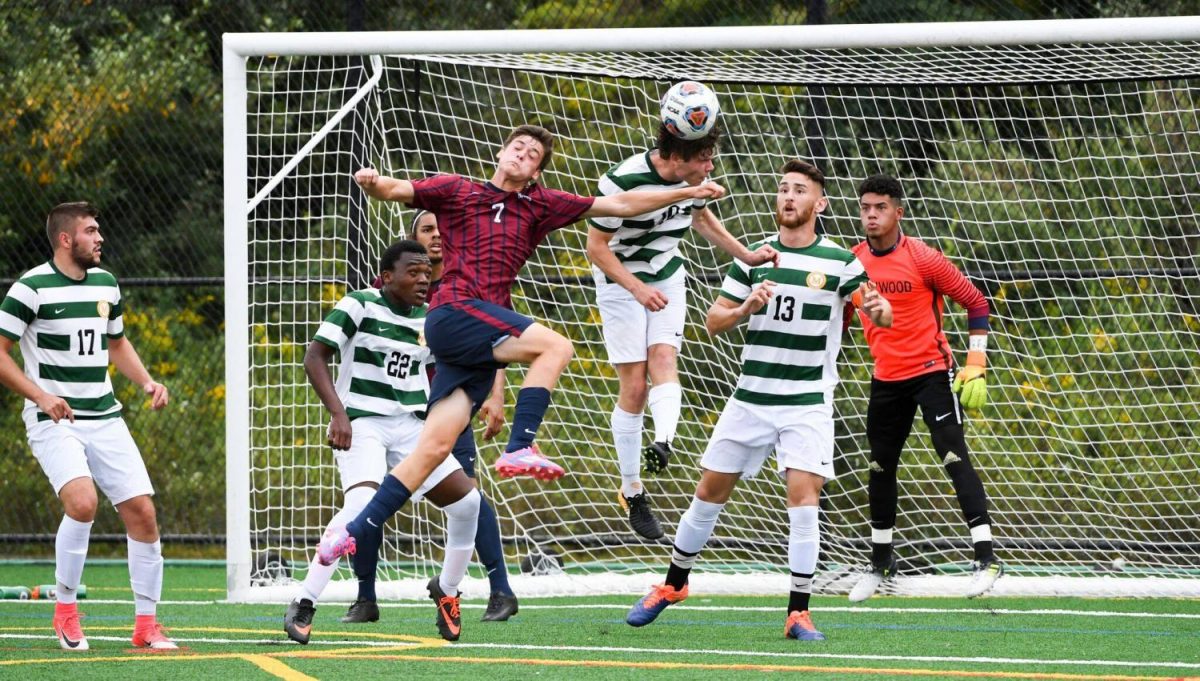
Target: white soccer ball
689	110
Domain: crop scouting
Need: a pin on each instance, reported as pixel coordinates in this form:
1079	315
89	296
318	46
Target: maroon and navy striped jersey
488	233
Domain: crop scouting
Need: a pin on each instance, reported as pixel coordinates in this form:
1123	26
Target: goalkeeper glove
970	383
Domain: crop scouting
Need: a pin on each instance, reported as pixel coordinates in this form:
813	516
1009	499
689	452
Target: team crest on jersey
103	308
815	280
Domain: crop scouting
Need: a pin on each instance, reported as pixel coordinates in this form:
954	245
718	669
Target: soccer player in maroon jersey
489	230
914	368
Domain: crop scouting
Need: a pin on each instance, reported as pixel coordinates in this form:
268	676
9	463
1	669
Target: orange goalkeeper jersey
914	277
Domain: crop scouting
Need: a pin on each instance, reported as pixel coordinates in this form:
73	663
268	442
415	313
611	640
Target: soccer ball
689	110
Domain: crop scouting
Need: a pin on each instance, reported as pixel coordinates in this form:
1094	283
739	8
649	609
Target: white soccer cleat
985	578
870	582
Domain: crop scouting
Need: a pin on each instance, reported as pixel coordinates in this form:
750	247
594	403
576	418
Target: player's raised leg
547	353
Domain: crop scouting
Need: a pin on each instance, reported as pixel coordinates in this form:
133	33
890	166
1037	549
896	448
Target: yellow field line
276	668
1038	676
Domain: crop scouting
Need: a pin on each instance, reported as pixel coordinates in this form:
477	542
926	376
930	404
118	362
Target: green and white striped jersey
648	244
792	343
383	355
63	327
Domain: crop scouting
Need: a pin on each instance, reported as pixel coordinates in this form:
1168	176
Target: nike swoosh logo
939	418
826	463
59	310
303	630
454	628
369	522
529	432
69	642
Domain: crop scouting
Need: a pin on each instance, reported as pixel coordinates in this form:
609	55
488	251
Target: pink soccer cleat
148	633
528	461
67	629
335	543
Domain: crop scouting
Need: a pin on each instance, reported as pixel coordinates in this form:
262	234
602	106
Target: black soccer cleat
449	617
297	623
360	612
500	607
641	516
656	457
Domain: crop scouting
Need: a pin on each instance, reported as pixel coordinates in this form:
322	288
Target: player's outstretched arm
629	204
126	360
382	187
710	227
726	314
316	365
15	380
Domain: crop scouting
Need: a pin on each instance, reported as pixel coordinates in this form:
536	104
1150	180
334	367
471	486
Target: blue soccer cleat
649	606
800	627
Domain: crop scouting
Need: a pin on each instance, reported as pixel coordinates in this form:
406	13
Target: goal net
1060	175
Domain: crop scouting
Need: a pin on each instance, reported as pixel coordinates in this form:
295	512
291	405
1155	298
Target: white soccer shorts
746	434
100	449
629	328
377	444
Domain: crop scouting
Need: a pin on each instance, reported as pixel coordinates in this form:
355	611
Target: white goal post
1056	162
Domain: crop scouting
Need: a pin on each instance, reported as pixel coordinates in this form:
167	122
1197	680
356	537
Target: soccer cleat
528	461
297	623
641	516
986	574
449	618
152	636
800	627
360	612
869	583
657	457
67	629
500	607
335	543
649	606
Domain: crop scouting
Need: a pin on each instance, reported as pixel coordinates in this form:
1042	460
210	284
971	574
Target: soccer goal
1055	161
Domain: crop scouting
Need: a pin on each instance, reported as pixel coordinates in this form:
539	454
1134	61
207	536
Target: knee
466	508
561	348
141	520
79	500
634	392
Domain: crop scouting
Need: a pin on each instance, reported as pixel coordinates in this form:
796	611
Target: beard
84	257
797	218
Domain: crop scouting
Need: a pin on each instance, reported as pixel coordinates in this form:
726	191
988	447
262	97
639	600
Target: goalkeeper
915	367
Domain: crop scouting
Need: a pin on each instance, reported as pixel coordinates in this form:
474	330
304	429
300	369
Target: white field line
673	652
983	609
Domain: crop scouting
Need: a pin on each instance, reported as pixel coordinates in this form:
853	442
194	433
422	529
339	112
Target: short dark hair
63	217
388	260
885	185
671	146
537	132
806	169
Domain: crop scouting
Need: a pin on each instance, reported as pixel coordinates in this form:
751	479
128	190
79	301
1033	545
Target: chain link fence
119	103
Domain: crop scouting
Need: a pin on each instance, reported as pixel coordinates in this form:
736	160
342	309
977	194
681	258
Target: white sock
462	519
145	574
981	533
319	575
804	539
696	525
70	552
665	402
627	438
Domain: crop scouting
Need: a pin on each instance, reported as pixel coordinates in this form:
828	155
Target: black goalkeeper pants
890	413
